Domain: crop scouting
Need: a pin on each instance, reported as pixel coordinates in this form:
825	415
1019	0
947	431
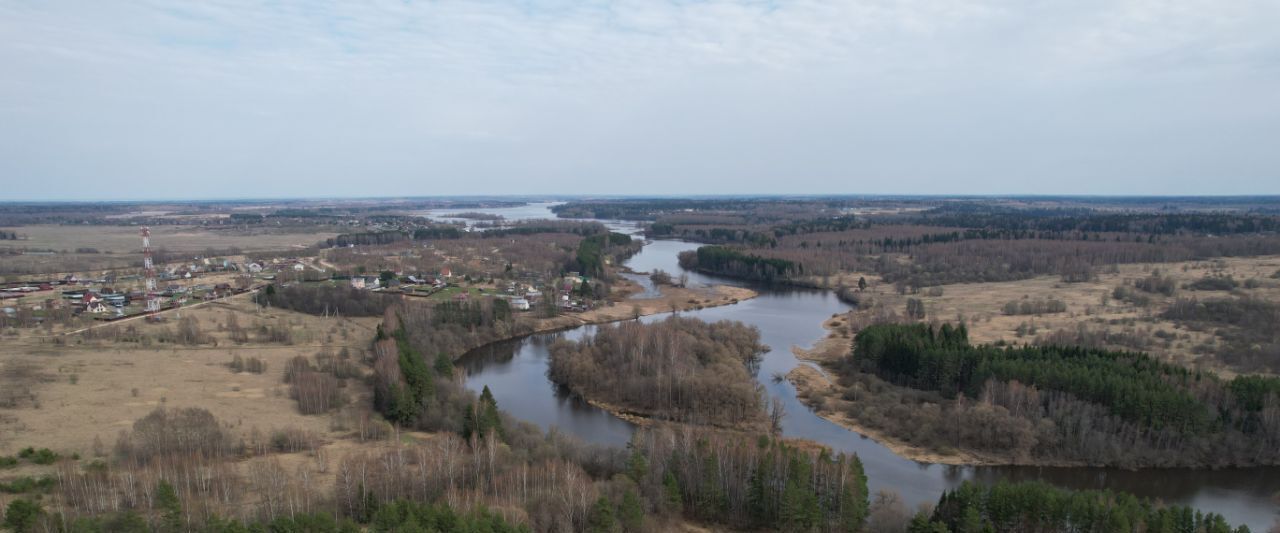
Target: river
515	372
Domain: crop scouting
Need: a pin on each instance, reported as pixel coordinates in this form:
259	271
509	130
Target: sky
109	100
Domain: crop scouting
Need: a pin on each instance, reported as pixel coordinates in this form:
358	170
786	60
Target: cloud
236	98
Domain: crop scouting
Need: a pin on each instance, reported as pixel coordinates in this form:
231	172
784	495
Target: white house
520	304
365	282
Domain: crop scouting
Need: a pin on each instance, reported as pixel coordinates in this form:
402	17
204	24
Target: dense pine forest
1019	507
729	262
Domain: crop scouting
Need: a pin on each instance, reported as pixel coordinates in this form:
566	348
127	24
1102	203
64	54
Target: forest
594	250
1079	404
681	369
691	472
725	261
1034	506
947	242
315	299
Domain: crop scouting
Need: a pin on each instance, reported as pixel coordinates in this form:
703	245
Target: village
109	295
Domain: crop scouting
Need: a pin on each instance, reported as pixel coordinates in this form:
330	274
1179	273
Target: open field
97	248
125	239
1090	305
86	389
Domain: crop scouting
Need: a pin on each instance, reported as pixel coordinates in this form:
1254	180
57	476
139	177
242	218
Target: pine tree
22	515
971	521
470	425
631	512
637	466
600	519
444	365
671	493
166	501
488	418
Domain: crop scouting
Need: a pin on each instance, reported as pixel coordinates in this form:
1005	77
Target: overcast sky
146	99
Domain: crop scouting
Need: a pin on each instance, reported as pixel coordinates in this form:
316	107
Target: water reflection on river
516	373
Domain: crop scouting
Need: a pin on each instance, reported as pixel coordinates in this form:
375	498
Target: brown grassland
125	239
1088	304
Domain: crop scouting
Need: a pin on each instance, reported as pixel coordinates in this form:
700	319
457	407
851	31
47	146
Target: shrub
316	392
21	515
1034	307
28	484
174	431
1214	283
253	364
43	456
1155	283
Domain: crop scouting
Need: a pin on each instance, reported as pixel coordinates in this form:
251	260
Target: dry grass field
94	249
125	239
87	389
1090	305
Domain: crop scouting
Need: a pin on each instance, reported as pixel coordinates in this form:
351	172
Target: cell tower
149	272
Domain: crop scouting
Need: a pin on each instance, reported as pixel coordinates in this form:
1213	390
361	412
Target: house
254	268
446	273
298	267
365	282
222	289
95	307
520	304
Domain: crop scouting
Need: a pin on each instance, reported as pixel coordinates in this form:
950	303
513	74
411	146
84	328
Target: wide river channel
516	373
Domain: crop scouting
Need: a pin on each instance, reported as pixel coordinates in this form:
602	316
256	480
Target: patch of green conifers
27	515
1036	506
762	484
727	261
1133	386
592	250
401	401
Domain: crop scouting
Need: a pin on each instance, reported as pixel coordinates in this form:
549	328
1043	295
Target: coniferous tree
601	519
170	507
631	512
